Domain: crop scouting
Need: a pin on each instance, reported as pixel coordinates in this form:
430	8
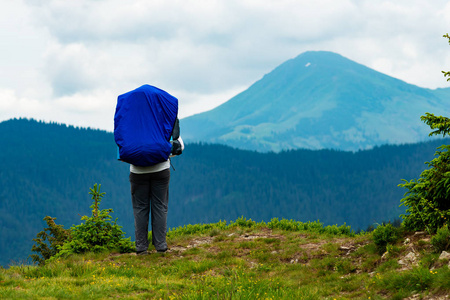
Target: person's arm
177	141
176	130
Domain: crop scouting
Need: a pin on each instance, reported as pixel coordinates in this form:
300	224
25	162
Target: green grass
240	260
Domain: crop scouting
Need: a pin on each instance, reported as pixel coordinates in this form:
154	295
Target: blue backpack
143	125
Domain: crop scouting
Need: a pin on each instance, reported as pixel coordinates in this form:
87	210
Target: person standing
147	133
150	194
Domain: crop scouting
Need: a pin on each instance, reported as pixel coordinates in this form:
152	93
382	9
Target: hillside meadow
243	259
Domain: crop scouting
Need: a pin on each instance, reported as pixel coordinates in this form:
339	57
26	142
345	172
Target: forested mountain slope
47	169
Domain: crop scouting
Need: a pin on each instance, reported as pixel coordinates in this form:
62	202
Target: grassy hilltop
280	259
243	259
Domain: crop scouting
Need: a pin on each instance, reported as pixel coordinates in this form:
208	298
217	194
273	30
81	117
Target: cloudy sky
67	61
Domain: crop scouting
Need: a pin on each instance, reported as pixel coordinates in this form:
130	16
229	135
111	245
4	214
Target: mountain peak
318	57
316	100
322	59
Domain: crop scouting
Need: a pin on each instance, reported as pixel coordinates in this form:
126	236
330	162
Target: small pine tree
98	233
428	198
47	244
447	74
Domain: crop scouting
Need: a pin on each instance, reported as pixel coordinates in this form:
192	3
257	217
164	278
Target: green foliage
214	232
447	74
384	235
48	244
316	226
98	233
97	197
426	198
194	229
418	279
393	250
441	124
441	240
243	223
283	224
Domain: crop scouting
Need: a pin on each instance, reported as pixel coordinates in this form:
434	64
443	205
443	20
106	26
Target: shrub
243	223
48	244
98	233
193	229
385	234
426	199
316	226
441	240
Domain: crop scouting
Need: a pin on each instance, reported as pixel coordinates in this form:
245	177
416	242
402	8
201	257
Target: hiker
150	193
147	132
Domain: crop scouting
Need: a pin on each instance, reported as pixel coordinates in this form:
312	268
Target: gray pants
150	193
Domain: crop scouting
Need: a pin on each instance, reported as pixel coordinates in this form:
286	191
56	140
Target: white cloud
94	109
12	105
73	57
87	110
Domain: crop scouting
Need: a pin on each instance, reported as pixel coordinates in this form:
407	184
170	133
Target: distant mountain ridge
319	100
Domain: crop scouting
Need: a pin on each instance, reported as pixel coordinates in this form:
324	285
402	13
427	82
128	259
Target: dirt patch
310	250
263	235
421	297
199	241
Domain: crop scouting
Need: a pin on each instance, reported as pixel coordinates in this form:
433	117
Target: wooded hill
47	169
